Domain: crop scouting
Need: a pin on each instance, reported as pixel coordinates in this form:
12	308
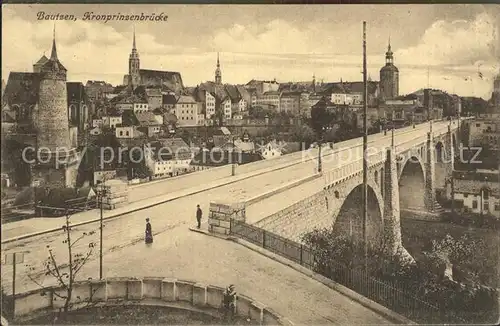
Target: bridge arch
348	218
412	183
440	152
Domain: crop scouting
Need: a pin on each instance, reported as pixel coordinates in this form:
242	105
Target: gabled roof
218	91
232	92
186	99
42	61
8	116
171	79
169	99
76	91
53	64
243	91
177	148
129	119
153	91
146	119
21	88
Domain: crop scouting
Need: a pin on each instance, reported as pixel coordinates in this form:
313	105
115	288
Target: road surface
178	252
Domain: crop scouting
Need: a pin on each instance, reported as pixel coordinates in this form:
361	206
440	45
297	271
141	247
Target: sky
438	46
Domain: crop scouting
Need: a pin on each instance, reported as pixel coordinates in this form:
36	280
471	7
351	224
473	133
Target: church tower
218	73
133	67
56	160
389	76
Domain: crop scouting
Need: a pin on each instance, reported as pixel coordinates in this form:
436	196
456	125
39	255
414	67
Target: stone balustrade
147	290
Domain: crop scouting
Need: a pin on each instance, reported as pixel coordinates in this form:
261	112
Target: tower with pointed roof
134	67
51	120
218	73
389	76
56	162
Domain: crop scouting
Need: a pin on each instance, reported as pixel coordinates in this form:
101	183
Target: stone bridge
403	171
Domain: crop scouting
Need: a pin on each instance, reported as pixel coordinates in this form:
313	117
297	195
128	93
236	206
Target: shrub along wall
449	301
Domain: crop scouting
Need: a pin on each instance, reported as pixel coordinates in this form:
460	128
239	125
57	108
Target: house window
486	206
126	133
121	133
474	204
466	195
497	207
486	194
478	125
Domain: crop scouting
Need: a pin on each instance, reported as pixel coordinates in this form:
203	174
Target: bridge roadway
181	253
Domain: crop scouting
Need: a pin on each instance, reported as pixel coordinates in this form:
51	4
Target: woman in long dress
149	233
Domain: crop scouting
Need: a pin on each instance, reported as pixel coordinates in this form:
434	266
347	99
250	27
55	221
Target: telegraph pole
101	194
365	150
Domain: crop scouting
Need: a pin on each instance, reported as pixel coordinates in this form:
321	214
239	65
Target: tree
302	133
450	251
65	275
320	118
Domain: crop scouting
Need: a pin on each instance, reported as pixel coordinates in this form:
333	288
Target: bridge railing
388	294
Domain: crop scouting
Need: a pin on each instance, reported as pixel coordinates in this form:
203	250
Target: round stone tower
51	120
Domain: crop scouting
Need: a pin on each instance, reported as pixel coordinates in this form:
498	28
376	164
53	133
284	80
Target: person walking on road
149	233
199	213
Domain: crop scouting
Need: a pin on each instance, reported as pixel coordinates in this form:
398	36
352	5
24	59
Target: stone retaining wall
111	290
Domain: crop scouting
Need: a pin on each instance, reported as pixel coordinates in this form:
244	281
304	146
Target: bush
336	256
472	219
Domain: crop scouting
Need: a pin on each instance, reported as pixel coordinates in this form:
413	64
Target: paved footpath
190	255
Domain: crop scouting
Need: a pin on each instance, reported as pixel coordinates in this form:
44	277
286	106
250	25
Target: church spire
389	58
53	55
133	45
218	73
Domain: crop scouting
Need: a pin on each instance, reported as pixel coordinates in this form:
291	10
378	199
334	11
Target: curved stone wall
146	290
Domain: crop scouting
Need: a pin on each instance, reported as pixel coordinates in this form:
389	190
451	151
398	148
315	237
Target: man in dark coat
149	232
199	213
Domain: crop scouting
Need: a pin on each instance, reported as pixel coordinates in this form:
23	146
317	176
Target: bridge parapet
220	215
157	291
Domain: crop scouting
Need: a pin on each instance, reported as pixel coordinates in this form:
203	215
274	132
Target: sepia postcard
250	164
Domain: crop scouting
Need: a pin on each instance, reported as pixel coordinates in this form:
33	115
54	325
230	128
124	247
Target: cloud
460	42
85	48
281	48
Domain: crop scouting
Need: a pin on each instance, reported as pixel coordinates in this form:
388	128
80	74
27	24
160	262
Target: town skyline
285	46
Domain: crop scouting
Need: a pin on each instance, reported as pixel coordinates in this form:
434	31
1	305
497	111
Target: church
168	81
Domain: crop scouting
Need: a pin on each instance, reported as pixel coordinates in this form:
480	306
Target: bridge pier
451	156
430	174
392	217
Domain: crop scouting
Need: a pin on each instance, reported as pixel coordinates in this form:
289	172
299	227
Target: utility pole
14	259
101	193
365	150
319	151
233	166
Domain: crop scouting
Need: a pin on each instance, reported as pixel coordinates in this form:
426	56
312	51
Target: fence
274	243
387	294
17	213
